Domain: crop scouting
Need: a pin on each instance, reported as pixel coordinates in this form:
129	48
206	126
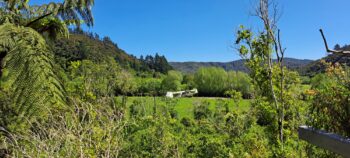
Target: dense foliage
330	108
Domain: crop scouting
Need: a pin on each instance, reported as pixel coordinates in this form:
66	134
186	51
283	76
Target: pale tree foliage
125	84
172	82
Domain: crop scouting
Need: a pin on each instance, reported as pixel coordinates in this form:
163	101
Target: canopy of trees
215	81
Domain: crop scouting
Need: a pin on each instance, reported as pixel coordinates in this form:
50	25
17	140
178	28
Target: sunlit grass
184	106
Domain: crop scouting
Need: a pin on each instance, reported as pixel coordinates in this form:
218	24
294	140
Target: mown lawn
184	106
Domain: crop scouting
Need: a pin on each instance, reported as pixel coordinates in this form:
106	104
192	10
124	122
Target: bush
187	122
136	109
330	109
201	111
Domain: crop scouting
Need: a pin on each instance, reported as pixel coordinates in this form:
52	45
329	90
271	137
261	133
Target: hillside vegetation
88	46
238	65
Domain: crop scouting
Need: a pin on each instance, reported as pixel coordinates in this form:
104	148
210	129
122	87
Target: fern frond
29	79
51	27
70	11
49	19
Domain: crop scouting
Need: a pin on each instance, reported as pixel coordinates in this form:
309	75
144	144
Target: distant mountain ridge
238	65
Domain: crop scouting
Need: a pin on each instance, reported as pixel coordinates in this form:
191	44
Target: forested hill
82	45
238	65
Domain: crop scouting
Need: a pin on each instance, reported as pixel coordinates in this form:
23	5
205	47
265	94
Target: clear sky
204	30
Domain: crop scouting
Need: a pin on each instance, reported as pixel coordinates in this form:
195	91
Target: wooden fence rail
328	141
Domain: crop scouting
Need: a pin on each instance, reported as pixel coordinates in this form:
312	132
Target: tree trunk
282	103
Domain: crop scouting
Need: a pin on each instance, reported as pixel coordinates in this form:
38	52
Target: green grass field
184	106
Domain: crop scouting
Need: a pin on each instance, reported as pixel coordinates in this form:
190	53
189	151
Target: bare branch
339	52
282	50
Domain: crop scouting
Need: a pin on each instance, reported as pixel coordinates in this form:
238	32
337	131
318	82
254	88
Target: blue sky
204	30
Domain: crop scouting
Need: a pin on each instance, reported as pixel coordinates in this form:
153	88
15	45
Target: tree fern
28	82
51	19
28	75
70	11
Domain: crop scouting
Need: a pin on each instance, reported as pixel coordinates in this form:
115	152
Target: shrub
201	111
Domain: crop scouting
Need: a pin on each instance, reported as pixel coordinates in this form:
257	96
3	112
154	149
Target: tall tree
172	82
211	81
259	51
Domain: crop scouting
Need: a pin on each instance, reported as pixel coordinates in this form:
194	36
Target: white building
188	93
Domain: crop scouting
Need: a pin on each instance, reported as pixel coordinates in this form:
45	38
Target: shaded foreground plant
84	131
26	61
